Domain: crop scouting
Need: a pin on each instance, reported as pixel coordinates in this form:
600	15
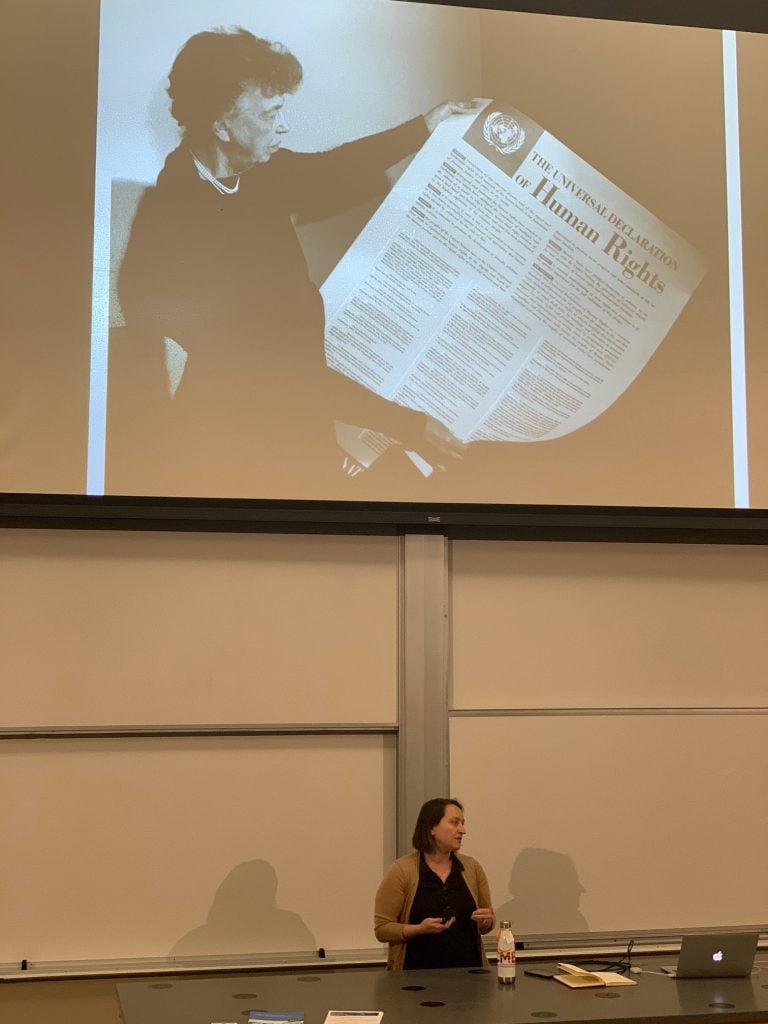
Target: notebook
718	955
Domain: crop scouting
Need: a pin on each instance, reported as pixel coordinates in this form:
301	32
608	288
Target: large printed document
504	287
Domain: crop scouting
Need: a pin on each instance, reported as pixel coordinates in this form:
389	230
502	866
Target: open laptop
718	955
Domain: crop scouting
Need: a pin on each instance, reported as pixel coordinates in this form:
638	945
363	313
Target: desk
444	997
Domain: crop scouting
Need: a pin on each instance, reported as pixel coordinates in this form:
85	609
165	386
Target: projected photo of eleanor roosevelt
335	274
219	382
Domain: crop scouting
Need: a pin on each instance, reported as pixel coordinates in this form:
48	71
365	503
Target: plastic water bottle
505	965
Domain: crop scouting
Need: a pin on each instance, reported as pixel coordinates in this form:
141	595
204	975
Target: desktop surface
444	997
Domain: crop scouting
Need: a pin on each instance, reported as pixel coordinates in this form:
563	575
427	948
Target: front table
444	997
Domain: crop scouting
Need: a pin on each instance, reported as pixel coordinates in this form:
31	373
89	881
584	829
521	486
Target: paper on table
285	1017
577	977
350	1016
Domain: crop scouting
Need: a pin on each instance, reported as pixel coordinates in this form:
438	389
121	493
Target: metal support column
422	764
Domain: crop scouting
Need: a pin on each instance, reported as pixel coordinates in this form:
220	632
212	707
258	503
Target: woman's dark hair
431	814
212	69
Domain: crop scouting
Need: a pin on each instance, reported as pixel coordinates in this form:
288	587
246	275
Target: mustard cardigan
394	899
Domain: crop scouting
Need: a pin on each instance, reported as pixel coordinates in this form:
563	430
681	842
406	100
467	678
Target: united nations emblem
503	133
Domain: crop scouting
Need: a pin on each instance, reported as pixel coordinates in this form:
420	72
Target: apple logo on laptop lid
717	956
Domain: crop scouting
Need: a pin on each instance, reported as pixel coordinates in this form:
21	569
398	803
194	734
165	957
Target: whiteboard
144	848
609	729
580	625
601	823
121	628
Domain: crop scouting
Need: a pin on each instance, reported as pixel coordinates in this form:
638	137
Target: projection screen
387	251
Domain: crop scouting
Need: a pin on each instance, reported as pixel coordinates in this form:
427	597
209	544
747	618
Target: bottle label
505	967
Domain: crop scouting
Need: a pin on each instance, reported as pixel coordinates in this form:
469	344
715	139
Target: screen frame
455	520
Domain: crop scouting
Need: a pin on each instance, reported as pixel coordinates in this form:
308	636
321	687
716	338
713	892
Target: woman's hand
429	926
443	111
483	918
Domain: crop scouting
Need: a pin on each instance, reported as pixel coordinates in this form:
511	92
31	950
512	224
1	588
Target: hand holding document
438	114
504	287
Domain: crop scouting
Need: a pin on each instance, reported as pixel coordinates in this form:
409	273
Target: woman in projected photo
433	906
214	282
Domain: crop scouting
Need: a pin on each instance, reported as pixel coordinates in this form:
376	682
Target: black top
225	277
459	946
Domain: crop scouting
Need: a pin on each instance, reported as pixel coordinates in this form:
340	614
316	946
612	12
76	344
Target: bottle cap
505	924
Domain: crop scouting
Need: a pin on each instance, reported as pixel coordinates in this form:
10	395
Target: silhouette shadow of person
546	891
244	918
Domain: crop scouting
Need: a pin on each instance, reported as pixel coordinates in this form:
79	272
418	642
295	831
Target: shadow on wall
244	918
546	891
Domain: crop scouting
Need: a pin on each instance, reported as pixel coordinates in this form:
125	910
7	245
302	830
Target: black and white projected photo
390	251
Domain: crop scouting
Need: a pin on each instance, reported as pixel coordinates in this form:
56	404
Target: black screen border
456	521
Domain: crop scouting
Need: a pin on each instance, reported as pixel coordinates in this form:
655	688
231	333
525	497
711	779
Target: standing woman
433	906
